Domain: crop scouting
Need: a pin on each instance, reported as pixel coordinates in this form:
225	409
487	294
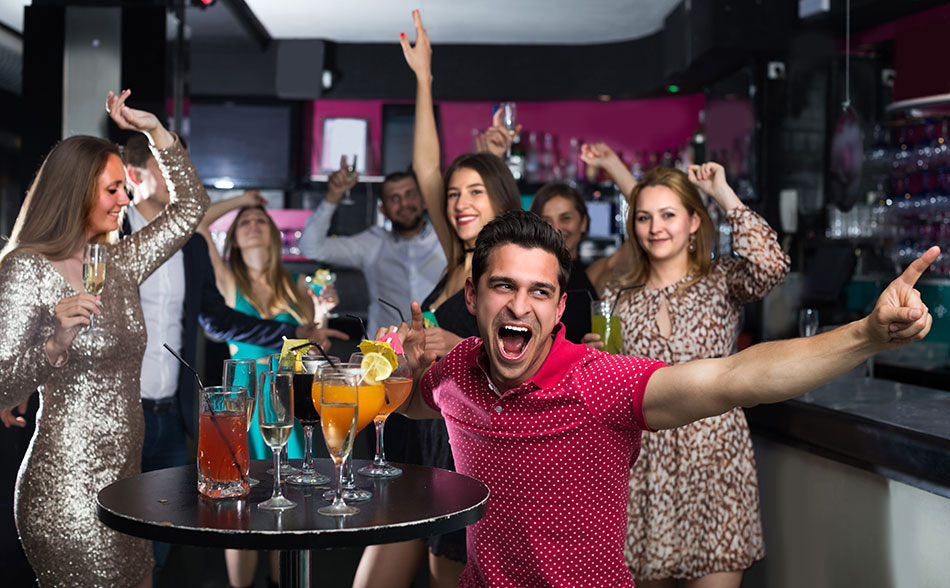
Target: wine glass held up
94	273
509	119
350	169
275	415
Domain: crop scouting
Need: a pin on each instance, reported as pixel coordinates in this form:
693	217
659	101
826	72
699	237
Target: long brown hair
499	184
53	218
700	259
285	295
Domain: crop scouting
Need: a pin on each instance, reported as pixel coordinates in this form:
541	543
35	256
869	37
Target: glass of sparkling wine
243	373
350	172
275	415
94	273
397	388
273	361
338	411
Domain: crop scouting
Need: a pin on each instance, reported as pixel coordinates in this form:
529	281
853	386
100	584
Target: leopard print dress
694	500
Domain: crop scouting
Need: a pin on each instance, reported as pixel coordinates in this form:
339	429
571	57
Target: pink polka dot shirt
555	454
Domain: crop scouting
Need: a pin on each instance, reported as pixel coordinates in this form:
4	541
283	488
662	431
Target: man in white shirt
400	266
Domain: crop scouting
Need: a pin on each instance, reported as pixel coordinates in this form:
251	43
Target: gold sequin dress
90	428
694	499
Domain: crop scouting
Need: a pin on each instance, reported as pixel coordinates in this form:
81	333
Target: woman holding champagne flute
689	308
90	427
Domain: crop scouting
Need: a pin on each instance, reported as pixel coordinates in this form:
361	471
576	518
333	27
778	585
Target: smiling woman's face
467	205
111	197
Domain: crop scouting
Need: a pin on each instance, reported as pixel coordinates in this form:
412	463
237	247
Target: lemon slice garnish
375	368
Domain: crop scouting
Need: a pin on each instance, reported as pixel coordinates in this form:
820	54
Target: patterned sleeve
613	387
26	325
761	264
142	252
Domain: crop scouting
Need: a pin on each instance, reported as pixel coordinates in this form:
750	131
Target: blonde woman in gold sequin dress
89	428
693	512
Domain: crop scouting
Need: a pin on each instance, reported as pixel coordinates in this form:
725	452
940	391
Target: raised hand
252	198
414	342
132	119
419	56
340	181
900	317
496	138
599	154
70	315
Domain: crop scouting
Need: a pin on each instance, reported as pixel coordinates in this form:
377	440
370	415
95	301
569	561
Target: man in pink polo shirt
552	427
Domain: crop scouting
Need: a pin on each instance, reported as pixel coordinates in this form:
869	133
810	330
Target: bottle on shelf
572	167
516	162
636	167
548	159
533	160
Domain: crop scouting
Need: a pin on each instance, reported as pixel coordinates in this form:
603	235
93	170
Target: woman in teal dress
255	282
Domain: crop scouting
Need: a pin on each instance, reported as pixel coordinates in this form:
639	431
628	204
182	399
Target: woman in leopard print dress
693	512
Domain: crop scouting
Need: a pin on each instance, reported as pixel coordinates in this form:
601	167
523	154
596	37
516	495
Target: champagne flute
306	412
94	273
509	118
350	172
339	397
398	386
371	399
243	373
274	365
275	415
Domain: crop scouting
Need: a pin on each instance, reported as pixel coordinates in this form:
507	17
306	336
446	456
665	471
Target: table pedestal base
294	568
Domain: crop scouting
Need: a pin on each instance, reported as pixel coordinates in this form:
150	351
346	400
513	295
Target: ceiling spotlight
202	3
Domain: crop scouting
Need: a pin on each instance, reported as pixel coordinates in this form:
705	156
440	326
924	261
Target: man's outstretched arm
779	370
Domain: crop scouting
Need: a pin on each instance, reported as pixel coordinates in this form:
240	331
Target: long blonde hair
700	258
284	292
53	218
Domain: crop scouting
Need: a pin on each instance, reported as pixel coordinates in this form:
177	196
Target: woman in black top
562	206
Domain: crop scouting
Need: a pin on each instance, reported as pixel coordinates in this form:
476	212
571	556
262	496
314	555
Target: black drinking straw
362	324
213	420
319	348
619	292
402	319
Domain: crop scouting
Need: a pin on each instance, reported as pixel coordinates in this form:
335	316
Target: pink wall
628	126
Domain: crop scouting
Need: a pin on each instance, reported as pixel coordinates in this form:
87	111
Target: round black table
164	505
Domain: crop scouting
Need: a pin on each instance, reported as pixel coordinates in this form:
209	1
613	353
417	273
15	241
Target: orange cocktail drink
397	390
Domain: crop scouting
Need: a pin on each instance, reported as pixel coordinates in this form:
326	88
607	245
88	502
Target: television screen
241	145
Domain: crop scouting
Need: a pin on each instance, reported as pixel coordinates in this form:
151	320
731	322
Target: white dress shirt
163	304
396	269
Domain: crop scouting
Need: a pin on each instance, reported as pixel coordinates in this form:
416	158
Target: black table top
165	506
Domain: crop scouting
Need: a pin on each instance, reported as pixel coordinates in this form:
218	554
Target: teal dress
259	449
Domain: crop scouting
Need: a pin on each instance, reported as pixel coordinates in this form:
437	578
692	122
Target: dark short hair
136	152
555	189
397	177
524	229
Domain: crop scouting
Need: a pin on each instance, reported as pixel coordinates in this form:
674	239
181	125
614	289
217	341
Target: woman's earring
692	243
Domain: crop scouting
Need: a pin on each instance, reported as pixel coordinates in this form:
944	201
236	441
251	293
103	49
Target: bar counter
897	430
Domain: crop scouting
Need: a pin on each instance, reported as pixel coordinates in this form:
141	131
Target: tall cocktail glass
223	458
397	388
